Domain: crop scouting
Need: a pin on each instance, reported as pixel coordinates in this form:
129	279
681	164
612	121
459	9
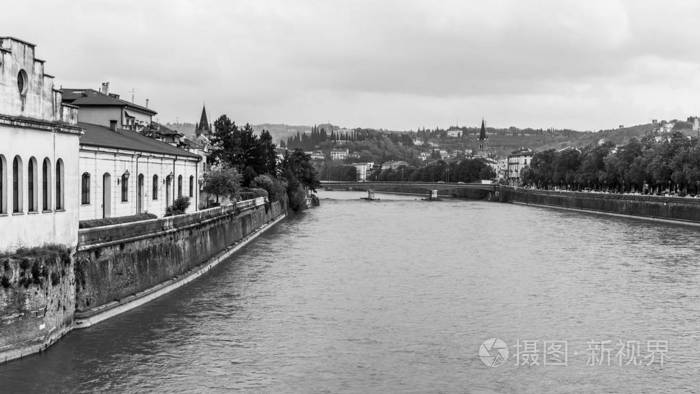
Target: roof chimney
147	103
105	88
113	125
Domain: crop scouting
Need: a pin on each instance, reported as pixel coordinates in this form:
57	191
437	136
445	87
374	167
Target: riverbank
666	209
118	268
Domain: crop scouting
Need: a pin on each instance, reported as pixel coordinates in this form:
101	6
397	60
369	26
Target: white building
362	170
454	133
38	154
124	173
394	165
518	160
339	154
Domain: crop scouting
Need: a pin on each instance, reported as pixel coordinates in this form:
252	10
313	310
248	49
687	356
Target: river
399	295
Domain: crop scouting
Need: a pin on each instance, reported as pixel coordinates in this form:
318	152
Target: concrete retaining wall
666	208
123	260
45	293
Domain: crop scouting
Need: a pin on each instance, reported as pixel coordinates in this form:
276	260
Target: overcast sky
378	63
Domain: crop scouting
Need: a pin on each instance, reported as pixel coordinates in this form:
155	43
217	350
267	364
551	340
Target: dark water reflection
397	296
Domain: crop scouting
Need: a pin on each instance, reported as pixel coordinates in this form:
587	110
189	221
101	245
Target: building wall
140	117
100	161
40	101
99	115
34	126
53	226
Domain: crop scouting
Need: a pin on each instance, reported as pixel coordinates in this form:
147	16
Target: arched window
59	184
22	82
125	187
3	185
191	186
179	186
17	185
46	185
32	180
154	192
85	189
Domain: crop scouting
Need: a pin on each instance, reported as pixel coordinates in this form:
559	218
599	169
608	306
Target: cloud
392	64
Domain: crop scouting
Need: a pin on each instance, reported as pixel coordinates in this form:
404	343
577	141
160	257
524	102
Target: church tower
203	126
482	137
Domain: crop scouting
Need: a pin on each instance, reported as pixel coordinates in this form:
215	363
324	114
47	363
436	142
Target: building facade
124	173
108	109
339	154
38	153
518	160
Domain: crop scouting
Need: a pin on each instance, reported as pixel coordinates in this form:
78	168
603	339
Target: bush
179	206
252	192
275	189
116	220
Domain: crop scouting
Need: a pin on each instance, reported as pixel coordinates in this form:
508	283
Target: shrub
275	189
179	206
116	220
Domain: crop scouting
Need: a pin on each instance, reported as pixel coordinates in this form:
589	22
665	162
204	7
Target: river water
398	296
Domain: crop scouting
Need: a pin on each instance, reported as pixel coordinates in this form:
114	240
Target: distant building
443	154
424	156
454	133
417	142
363	169
317	155
394	164
518	160
354	155
339	154
108	109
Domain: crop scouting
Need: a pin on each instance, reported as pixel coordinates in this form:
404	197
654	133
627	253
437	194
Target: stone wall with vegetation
37	299
117	262
669	208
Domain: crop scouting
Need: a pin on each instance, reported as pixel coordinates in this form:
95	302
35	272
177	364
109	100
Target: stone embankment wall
45	292
121	261
657	207
37	300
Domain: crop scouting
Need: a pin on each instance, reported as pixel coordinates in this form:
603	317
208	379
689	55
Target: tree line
467	170
650	165
245	165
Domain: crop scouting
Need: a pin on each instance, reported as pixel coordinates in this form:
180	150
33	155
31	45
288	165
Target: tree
222	182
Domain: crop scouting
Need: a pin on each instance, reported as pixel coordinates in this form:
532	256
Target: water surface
397	296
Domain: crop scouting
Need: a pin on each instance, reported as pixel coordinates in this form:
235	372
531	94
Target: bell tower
203	125
482	137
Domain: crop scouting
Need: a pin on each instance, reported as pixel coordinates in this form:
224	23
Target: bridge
445	189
